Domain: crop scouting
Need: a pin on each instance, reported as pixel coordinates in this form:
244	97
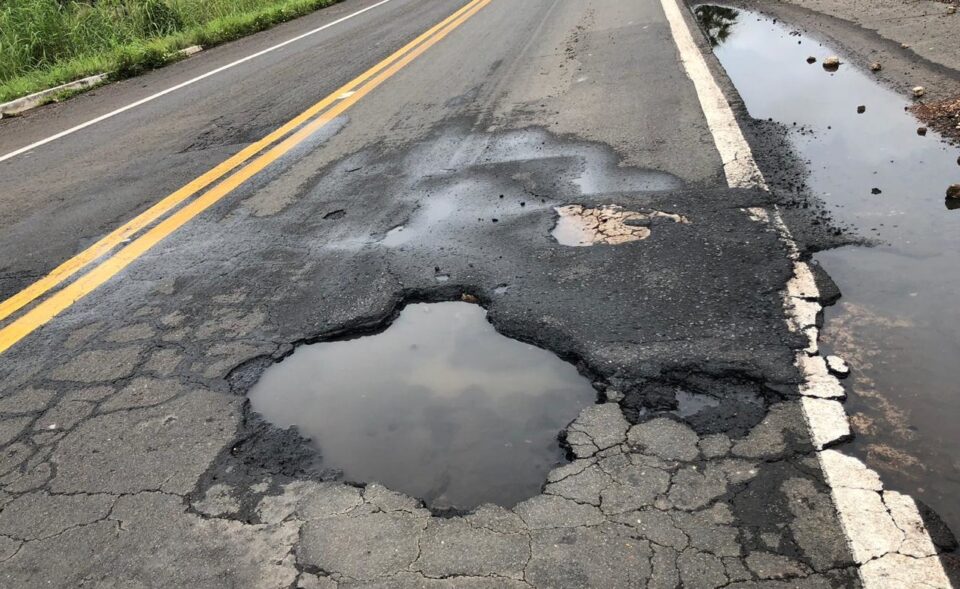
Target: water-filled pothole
438	406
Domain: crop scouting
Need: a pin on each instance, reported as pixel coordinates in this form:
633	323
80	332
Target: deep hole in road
897	321
438	406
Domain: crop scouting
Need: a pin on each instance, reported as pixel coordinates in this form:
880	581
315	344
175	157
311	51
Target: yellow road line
51	307
161	208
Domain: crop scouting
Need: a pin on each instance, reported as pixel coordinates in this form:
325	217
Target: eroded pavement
136	453
131	458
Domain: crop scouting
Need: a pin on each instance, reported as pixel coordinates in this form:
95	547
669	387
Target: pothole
690	404
438	406
578	225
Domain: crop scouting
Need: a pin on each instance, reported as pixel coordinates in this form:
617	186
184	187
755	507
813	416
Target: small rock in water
875	191
861	109
837	366
919	91
921	131
875	66
469	298
831	63
811	59
953	191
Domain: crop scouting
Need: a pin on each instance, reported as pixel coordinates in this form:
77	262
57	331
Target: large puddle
438	406
898	323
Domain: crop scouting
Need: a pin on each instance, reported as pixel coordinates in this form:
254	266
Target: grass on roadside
45	43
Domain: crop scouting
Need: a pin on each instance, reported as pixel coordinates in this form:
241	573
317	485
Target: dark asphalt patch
688	309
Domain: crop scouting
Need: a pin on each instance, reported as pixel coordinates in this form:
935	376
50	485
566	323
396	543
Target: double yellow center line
302	127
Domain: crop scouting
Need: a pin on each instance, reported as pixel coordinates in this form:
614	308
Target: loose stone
831	63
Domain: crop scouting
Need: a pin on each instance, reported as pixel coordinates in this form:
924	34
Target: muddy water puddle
438	406
898	323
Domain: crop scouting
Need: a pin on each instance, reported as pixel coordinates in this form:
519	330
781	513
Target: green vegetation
44	43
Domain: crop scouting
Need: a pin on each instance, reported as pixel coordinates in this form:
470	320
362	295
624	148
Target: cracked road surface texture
130	456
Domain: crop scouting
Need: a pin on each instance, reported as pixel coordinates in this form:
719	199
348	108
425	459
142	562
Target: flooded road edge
885	530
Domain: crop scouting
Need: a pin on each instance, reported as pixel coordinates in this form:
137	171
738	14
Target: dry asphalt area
583	170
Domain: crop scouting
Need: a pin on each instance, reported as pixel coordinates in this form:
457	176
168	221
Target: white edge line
884	530
142	101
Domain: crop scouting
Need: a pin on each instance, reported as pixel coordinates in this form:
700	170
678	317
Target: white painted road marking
152	97
738	163
884	529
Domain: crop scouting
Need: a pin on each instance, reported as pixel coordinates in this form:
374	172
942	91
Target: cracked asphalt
130	457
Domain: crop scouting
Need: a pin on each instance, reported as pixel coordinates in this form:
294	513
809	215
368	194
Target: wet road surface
896	323
132	455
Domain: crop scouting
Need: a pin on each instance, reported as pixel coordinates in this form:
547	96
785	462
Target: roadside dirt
943	116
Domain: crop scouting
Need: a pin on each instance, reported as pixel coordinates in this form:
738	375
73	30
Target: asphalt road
130	457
